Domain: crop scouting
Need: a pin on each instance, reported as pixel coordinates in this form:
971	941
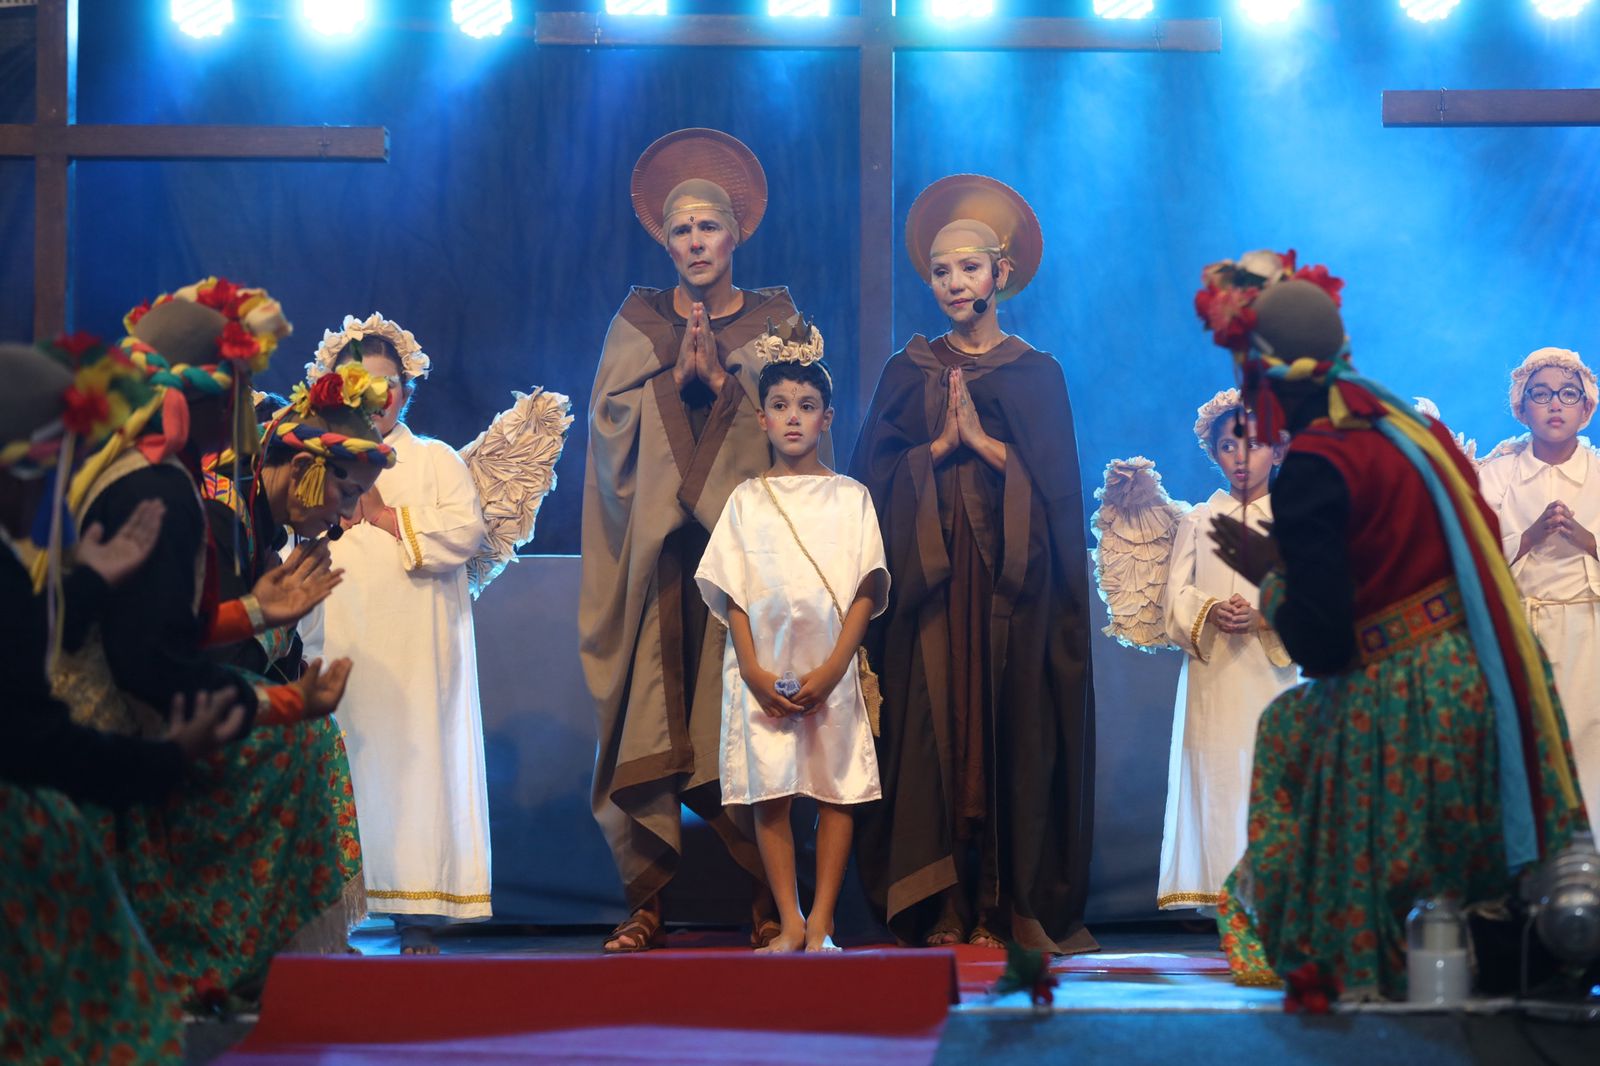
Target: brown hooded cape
965	533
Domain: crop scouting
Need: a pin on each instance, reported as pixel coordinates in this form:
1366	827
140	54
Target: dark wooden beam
1491	107
55	95
593	30
353	143
875	304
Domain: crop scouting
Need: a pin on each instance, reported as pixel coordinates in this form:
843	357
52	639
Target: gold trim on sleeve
411	535
1199	624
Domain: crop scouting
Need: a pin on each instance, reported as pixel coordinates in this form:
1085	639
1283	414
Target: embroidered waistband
1404	624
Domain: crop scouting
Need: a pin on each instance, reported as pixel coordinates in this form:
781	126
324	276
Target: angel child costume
756	562
1559	581
411	716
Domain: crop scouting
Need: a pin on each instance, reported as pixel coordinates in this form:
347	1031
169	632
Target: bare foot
786	942
944	937
982	938
417	940
823	943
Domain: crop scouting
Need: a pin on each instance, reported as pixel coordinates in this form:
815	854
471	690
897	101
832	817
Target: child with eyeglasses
1545	488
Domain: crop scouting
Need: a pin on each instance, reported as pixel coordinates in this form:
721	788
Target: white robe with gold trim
410	716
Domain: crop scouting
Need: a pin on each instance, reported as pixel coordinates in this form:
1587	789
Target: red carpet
701	1006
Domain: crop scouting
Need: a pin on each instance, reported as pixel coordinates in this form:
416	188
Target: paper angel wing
1518	444
1134	528
513	464
1469	448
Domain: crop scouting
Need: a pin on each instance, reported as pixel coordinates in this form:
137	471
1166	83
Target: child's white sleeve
1186	604
721	572
870	558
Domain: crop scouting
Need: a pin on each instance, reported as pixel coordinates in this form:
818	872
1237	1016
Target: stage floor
1157	993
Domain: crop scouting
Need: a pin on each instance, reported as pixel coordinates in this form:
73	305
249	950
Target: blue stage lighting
1559	9
481	18
1123	9
334	17
202	18
636	7
798	9
1269	10
961	9
1428	10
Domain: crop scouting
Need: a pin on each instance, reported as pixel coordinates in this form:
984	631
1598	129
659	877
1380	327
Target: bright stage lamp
334	17
202	18
636	7
1428	10
1559	9
481	18
961	9
1123	9
798	9
1269	10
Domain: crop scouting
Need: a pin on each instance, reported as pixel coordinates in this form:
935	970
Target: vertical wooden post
55	91
876	305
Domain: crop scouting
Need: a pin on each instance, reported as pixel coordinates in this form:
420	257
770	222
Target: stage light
797	9
1123	9
481	18
1559	9
1269	10
961	9
1428	10
334	17
636	7
202	18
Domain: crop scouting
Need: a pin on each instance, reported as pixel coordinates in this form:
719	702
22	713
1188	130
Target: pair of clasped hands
204	721
962	426
697	354
1557	521
1250	555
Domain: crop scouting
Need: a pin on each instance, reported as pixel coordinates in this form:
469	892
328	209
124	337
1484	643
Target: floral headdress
798	343
1229	289
103	393
255	321
348	387
1223	403
414	362
1557	357
106	390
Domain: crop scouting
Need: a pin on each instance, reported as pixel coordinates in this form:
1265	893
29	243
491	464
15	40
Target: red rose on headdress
84	410
137	313
327	391
1228	315
219	295
237	343
1318	275
75	344
1288	261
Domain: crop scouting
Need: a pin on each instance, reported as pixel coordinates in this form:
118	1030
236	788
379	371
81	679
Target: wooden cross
1491	107
55	141
876	34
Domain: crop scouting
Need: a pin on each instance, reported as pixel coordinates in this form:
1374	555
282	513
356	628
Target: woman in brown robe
987	752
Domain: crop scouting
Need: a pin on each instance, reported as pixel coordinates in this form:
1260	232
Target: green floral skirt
257	845
1371	790
78	981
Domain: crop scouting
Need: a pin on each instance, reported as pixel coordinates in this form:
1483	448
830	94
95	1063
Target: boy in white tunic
795	569
1233	667
1545	489
412	722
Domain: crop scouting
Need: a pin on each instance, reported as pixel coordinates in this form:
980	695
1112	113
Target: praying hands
962	427
697	354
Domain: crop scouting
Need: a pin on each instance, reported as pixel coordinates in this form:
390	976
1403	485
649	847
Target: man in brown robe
672	431
987	746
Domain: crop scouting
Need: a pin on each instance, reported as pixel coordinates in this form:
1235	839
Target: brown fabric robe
659	470
1023	689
